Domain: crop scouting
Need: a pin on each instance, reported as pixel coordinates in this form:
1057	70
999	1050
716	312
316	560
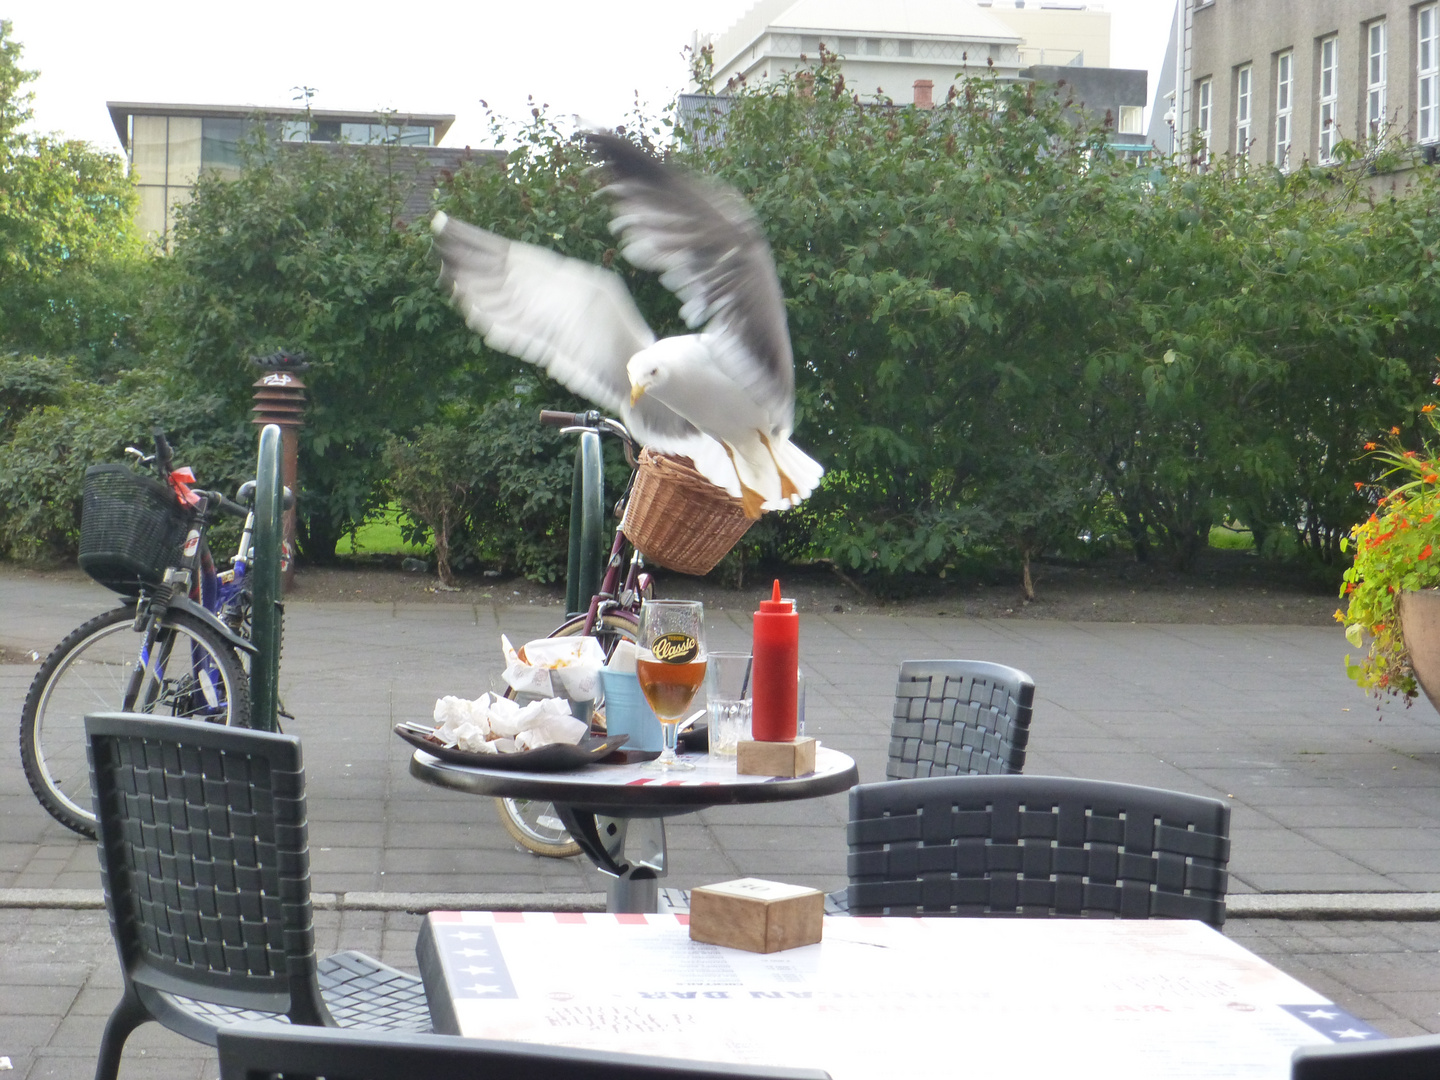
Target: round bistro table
616	813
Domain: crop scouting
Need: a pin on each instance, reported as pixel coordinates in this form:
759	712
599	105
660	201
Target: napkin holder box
628	713
756	915
795	757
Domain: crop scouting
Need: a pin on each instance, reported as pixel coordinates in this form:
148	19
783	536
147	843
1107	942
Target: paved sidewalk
1329	796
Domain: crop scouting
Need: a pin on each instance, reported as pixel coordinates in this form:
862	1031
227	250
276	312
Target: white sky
585	57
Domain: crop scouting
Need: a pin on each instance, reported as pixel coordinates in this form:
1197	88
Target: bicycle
612	612
178	644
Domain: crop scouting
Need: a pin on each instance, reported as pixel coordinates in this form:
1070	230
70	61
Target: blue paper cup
628	713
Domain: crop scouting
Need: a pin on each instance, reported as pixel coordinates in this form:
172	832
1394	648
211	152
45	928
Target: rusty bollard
280	400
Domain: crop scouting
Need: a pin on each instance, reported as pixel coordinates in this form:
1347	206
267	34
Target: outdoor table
884	997
616	813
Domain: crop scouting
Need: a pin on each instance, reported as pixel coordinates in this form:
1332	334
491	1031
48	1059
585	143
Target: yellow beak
636	393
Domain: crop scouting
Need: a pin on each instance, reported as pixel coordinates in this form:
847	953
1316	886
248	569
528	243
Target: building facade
1284	81
169	146
884	48
1055	33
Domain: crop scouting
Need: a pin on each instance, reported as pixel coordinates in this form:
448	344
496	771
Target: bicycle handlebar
164	456
596	422
227	506
553	418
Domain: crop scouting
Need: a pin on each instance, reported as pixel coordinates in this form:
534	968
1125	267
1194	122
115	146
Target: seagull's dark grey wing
571	318
708	248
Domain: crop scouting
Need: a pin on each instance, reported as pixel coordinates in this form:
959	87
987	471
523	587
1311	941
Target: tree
307	250
62	204
69	252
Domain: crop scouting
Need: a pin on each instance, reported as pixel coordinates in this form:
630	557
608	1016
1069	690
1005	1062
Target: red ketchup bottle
774	670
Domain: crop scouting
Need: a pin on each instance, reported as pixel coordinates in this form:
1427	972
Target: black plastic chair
1036	846
959	717
261	1051
205	862
1415	1058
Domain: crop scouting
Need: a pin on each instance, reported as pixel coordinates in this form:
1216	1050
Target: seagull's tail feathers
776	470
799	473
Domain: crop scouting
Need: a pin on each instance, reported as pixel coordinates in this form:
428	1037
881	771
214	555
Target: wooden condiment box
756	915
795	757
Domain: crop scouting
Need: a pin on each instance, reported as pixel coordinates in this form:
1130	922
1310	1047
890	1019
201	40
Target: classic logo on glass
675	648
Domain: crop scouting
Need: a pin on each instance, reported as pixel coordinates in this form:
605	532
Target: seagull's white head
647	370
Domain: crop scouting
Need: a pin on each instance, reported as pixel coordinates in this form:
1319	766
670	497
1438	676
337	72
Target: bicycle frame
194	585
614	594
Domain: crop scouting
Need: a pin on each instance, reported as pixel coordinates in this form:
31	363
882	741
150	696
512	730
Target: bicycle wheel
191	672
533	823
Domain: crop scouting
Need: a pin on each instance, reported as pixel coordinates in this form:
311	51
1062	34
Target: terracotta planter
1420	624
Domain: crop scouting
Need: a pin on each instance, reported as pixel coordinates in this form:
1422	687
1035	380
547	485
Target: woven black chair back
205	862
959	717
1413	1058
262	1051
1036	846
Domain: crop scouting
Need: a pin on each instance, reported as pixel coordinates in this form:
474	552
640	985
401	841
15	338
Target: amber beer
670	680
669	688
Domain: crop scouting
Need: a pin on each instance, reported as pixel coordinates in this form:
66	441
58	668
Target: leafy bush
43	461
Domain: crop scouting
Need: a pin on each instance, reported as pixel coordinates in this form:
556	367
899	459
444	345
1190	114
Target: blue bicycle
178	644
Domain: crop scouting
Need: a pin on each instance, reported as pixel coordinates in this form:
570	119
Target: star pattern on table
480	988
472	952
1321	1014
462	935
473	970
1351	1033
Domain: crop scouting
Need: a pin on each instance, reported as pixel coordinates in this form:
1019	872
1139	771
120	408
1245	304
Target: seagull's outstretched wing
572	318
575	320
707	246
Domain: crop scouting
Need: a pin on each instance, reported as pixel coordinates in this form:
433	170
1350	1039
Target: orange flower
1430	478
1368	446
1425	554
1427	408
1358	485
1411	453
1394	431
1349	588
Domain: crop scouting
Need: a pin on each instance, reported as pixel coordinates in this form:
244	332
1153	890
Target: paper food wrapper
555	667
495	725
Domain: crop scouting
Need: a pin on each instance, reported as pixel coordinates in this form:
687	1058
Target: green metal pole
268	612
586	564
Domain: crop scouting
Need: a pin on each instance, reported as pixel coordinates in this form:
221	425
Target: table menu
888	997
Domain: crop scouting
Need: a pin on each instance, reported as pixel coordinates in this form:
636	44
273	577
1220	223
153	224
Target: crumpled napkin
495	725
555	667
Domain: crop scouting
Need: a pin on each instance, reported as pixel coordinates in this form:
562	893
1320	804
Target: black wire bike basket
131	529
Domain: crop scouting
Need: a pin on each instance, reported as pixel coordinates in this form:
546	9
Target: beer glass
670	665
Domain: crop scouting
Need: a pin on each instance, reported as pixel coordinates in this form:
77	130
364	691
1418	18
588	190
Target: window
1375	77
1242	109
1284	85
1427	83
1328	96
1202	117
1132	119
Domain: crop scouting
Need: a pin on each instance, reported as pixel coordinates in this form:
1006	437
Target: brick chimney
924	94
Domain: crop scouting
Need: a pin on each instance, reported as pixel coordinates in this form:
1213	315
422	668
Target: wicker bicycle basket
131	529
678	519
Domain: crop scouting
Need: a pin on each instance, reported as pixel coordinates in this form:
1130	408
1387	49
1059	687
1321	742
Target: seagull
724	396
